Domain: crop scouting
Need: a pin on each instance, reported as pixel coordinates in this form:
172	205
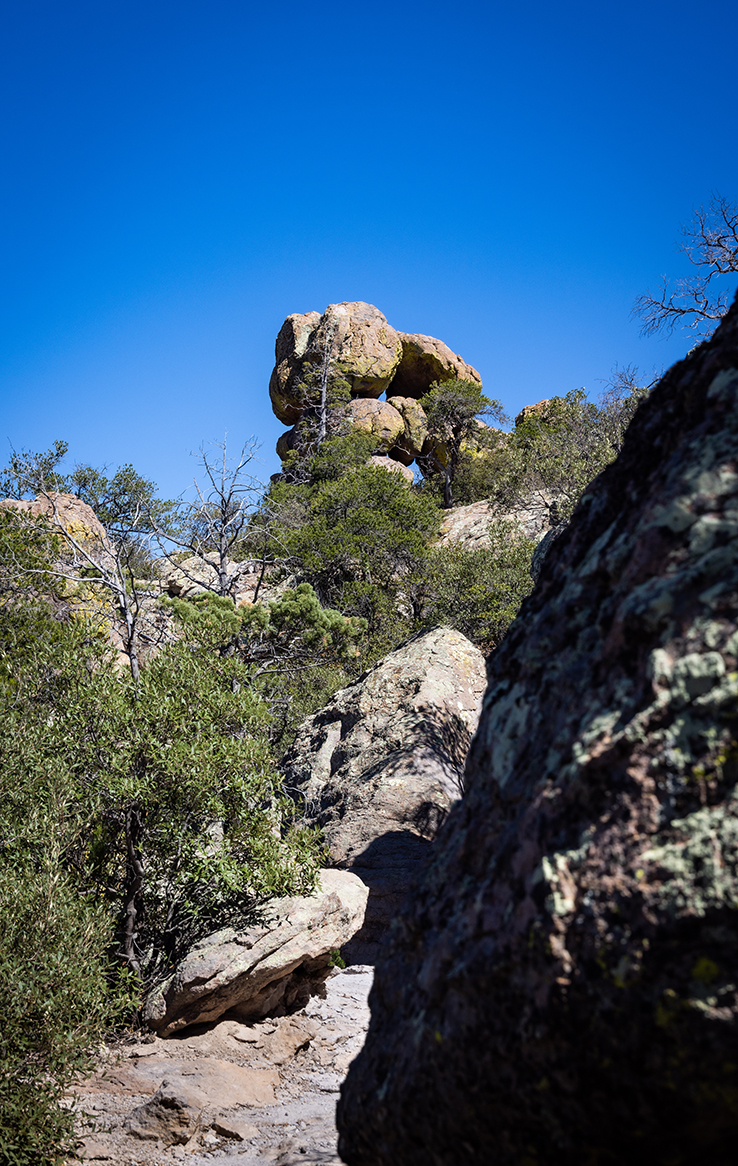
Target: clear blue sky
179	175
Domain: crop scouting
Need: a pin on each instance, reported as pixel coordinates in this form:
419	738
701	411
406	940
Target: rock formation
365	351
563	987
379	767
468	526
268	970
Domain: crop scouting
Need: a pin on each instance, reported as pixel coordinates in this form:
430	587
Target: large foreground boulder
270	969
564	986
380	766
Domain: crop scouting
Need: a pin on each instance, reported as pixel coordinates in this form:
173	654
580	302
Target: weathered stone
364	348
468	526
376	417
537	412
425	360
562	987
270	969
361	345
380	766
415	424
393	467
70	514
292	342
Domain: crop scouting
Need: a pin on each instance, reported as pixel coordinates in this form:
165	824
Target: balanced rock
270	969
380	766
354	337
563	986
425	360
378	418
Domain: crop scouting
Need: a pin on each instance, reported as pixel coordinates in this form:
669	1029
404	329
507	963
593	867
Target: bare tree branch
711	245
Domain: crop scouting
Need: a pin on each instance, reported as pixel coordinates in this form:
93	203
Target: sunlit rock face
372	358
562	984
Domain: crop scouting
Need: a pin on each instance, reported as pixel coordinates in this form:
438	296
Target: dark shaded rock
425	360
563	985
380	765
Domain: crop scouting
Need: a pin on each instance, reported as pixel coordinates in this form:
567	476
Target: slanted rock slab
380	766
272	968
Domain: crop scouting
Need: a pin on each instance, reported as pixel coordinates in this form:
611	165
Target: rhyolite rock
415	423
393	467
563	987
379	767
269	969
359	343
425	360
377	418
468	526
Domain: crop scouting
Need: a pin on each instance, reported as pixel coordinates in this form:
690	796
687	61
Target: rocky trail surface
262	1094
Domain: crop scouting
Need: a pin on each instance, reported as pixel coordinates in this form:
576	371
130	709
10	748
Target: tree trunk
134	884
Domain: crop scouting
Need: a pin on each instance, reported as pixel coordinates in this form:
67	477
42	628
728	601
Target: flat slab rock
262	1094
270	969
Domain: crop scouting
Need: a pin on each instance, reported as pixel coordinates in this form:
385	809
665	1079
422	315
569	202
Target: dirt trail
263	1094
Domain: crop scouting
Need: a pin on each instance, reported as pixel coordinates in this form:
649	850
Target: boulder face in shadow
564	985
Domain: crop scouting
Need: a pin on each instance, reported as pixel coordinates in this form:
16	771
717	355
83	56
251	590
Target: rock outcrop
393	467
270	969
563	987
468	526
425	360
365	351
378	418
380	766
68	513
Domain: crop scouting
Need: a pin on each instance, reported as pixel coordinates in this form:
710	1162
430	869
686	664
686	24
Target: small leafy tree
453	409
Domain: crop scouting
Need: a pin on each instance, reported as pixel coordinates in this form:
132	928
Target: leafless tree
694	302
221	529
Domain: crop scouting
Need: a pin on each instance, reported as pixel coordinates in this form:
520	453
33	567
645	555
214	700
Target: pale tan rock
68	513
538	411
425	360
270	969
393	467
415	423
380	765
377	418
292	341
468	526
240	1131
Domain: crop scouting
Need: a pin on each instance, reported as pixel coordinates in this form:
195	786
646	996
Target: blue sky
180	175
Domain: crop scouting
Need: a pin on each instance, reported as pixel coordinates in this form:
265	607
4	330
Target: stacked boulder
375	359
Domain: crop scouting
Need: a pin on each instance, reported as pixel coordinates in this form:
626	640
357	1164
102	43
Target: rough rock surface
393	466
380	766
415	425
377	418
68	512
261	1094
425	360
468	526
564	987
363	347
290	347
268	970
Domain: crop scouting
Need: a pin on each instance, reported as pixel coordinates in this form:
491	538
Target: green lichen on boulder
563	984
